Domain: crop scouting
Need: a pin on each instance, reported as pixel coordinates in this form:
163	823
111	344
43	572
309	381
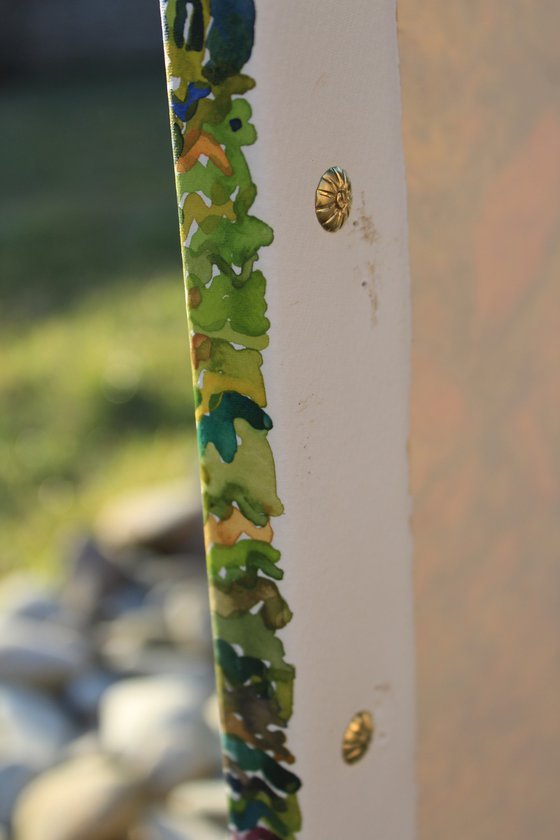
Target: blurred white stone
131	658
154	724
212	714
187	615
14	776
160	825
85	744
204	797
165	519
39	653
33	730
92	582
84	691
85	798
144	625
27	596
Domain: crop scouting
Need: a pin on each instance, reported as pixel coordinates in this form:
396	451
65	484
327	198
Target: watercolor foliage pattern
207	44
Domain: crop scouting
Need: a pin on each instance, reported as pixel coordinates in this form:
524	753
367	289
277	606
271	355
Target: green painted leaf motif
250	480
208	43
256	760
217	426
243	309
228	563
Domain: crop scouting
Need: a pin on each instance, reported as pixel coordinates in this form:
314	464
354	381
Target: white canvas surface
337	374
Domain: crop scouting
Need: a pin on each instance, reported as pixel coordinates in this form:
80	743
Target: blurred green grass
95	383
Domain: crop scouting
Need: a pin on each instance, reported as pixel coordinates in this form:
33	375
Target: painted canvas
207	46
299	333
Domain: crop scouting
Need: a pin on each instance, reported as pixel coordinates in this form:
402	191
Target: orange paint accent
199	143
200	348
228	531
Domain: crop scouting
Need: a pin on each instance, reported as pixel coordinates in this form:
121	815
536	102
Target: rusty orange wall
481	94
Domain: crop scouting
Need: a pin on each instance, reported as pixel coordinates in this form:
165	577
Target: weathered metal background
481	88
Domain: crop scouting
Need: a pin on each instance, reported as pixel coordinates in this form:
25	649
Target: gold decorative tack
358	737
333	199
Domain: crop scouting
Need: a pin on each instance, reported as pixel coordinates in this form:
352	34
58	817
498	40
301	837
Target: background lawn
95	383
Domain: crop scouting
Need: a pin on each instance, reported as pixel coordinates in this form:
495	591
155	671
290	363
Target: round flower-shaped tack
357	737
333	199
